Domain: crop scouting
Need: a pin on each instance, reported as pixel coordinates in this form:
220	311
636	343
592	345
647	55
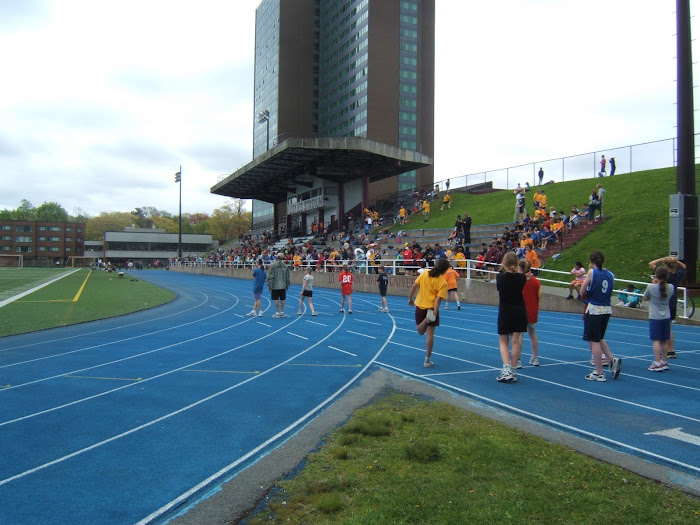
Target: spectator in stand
600	194
612	166
630	298
402	215
592	205
602	166
446	200
467	229
579	273
407	256
533	259
426	210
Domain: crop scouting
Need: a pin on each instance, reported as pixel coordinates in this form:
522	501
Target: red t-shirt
531	297
345	279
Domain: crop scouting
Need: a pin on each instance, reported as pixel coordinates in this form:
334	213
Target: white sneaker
430	315
447	307
534	361
251	313
342	311
519	364
260	313
428	364
275	315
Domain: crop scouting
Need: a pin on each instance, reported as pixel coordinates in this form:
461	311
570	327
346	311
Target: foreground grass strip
406	460
77	299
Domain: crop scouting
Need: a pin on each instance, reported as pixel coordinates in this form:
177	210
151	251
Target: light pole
178	179
264	116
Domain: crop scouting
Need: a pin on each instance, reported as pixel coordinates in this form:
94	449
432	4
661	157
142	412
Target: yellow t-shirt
426	206
430	288
402	212
446	198
461	260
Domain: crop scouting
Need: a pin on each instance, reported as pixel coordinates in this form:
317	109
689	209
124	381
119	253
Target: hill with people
636	208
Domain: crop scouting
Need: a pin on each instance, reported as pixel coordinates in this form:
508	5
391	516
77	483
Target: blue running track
129	419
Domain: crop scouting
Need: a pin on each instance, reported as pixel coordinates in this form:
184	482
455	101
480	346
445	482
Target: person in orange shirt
451	276
531	295
531	256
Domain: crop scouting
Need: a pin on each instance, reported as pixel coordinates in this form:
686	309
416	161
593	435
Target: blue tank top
600	288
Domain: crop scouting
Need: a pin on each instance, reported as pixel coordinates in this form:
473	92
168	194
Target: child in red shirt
346	279
531	295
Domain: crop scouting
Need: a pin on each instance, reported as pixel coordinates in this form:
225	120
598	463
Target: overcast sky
101	102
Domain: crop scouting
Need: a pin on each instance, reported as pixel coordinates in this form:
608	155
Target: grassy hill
637	205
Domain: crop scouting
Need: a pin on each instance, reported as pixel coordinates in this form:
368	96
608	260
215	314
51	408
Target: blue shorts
660	329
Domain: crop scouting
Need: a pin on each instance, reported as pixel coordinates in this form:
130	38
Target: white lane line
368	322
316	322
299	336
363	335
344	351
228	468
558	424
176	412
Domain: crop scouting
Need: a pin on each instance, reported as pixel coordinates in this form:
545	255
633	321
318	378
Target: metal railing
472	269
636	157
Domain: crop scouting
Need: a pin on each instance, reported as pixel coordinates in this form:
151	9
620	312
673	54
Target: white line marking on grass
23	294
344	351
363	335
299	336
558	424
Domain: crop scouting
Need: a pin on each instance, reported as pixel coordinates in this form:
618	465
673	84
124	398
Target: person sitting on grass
630	298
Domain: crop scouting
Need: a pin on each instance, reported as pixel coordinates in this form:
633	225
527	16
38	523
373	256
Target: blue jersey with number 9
600	288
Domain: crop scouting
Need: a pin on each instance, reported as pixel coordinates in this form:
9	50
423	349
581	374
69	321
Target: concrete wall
470	290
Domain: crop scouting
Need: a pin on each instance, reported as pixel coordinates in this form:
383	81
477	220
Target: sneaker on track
447	307
534	361
342	311
664	365
596	377
349	311
459	307
430	315
519	364
656	367
315	314
506	376
299	313
251	313
428	364
260	313
671	355
275	315
616	367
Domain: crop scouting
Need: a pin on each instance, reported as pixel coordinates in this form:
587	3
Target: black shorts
382	292
594	327
279	295
308	293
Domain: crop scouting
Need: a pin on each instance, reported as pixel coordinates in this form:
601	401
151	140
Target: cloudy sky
101	102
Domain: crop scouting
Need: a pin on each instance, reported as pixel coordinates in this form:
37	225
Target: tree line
223	224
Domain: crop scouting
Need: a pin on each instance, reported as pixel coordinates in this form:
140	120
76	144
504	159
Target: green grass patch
462	468
85	295
637	205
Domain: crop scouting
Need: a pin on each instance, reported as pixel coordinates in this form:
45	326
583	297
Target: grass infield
82	296
407	460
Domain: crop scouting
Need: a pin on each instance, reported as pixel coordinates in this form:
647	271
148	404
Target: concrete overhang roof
293	163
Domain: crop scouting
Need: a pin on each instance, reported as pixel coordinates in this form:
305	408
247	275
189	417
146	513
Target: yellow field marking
336	366
74	300
222	371
77	296
106	378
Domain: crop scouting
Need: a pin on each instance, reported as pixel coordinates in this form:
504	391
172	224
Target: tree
25	212
140	216
7	215
226	223
51	212
196	218
79	215
107	221
168	224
